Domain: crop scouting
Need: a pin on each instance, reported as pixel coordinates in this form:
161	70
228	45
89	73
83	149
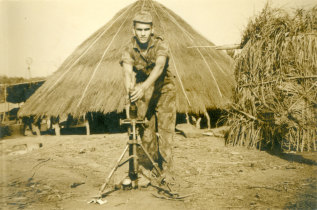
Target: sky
42	33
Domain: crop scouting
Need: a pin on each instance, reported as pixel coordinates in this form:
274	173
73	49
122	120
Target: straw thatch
275	101
90	79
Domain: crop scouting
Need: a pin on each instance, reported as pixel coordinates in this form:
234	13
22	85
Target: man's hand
138	93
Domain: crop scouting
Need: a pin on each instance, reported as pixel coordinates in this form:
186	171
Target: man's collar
136	45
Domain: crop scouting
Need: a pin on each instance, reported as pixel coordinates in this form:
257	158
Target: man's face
143	32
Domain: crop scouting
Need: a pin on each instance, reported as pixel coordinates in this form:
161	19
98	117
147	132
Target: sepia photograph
158	104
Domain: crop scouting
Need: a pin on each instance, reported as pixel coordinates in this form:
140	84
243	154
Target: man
152	86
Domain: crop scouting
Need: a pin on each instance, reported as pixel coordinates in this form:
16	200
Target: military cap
143	17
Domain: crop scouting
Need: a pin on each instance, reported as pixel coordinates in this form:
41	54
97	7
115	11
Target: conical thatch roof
90	79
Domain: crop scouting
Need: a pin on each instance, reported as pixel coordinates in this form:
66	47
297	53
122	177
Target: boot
168	175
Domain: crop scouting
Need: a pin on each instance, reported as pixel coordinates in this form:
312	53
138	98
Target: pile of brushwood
275	100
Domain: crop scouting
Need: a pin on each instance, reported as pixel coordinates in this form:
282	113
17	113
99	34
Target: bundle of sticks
275	101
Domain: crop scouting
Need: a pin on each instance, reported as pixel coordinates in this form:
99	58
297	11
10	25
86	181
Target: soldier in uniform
152	86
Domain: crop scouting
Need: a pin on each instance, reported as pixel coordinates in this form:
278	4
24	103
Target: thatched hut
275	101
90	79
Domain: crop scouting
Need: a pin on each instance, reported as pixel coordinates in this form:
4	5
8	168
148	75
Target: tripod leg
102	188
150	158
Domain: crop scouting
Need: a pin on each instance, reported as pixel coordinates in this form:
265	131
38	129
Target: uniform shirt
144	62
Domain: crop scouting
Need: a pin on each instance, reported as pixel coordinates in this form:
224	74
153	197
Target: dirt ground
50	172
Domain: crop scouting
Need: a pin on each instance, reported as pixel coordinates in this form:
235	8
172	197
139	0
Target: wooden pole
220	47
87	126
55	125
187	118
5	103
208	118
198	123
229	47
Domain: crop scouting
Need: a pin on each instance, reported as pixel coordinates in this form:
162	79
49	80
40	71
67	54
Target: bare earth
67	171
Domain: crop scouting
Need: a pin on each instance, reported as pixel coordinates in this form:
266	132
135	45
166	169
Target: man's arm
129	77
129	82
155	74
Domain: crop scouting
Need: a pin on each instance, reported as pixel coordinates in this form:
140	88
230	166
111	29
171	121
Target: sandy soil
50	172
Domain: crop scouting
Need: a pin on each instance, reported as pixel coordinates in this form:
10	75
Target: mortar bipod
132	144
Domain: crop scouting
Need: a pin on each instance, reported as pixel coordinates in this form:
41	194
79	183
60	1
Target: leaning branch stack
276	72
